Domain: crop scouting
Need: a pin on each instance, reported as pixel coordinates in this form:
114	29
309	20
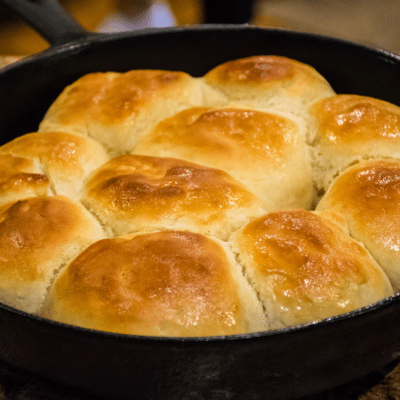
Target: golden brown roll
21	178
368	195
270	82
64	158
348	128
156	284
305	267
38	236
139	193
185	202
116	108
264	151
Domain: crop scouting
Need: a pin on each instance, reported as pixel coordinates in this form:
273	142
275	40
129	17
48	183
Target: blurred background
370	22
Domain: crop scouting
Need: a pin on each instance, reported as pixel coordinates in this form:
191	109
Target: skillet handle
49	19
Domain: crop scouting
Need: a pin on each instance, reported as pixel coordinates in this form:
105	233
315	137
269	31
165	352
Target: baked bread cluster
160	204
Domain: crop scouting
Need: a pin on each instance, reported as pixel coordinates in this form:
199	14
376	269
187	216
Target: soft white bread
157	284
66	159
306	267
348	128
368	195
139	193
20	178
264	151
37	237
185	198
270	82
116	108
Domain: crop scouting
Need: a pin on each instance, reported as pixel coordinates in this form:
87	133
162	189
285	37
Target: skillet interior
277	365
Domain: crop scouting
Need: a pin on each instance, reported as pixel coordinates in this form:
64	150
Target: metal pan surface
283	364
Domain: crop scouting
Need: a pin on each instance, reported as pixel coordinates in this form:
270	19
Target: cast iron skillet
281	364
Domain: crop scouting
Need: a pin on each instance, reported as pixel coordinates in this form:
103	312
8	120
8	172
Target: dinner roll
368	195
166	283
270	82
38	236
139	193
305	267
66	159
116	108
348	128
264	151
20	178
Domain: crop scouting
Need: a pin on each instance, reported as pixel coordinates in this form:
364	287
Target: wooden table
15	384
6	60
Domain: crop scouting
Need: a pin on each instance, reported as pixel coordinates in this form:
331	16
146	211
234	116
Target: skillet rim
319	324
93	38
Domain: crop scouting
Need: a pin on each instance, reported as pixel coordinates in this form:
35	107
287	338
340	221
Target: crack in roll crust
21	178
65	159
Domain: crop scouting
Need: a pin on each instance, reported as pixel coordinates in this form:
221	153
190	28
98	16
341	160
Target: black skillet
283	364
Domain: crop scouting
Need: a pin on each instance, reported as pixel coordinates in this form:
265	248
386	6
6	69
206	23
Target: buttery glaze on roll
20	178
200	185
266	152
64	158
116	108
156	284
368	195
139	193
347	128
270	82
37	237
306	267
